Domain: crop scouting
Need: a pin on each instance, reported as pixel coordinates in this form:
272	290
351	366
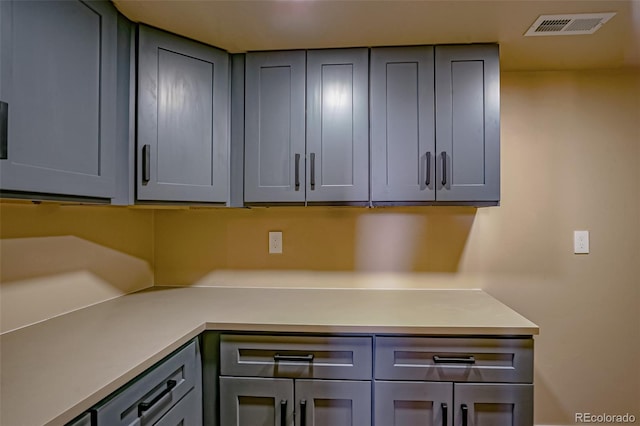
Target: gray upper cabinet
275	127
468	123
183	102
435	145
58	93
338	125
402	124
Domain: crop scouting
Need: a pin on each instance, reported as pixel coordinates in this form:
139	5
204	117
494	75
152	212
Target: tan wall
570	160
58	258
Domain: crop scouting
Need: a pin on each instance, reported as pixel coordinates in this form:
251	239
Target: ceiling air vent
576	24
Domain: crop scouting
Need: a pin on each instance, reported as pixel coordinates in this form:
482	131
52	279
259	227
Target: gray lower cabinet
439	144
307	126
253	401
301	380
182	151
492	404
58	80
413	403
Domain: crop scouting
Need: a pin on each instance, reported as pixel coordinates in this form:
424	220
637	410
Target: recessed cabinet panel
402	124
58	80
183	100
413	403
468	123
185	108
485	404
337	125
275	127
256	401
333	403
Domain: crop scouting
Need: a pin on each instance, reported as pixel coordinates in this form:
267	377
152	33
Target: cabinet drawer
159	388
296	356
454	359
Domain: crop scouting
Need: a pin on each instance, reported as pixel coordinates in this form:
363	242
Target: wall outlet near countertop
581	242
275	242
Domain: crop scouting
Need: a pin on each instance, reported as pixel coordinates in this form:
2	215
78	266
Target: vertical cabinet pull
427	180
297	172
4	130
465	414
283	412
443	156
144	406
445	413
313	170
146	163
303	412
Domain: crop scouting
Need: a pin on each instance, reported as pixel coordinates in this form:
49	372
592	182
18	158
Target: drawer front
454	359
296	356
148	398
187	412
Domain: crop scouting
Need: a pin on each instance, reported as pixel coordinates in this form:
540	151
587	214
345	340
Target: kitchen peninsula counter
54	370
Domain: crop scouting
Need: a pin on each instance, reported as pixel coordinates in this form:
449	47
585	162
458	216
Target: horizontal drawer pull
454	359
144	406
294	358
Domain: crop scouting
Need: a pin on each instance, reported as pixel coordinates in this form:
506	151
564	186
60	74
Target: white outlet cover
275	242
581	242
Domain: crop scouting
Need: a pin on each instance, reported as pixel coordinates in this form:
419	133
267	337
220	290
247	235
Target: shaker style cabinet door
252	401
183	101
58	97
333	403
275	127
413	403
402	124
338	125
468	123
484	404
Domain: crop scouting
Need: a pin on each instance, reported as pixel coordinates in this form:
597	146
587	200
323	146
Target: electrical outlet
581	242
275	242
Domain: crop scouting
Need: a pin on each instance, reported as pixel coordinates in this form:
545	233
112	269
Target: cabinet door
57	85
333	403
248	401
338	125
413	403
183	102
468	123
275	127
402	124
493	405
187	412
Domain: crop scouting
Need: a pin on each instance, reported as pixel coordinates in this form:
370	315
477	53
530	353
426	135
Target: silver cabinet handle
146	163
4	130
313	170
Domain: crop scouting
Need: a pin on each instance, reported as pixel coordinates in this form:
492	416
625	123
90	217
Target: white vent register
574	24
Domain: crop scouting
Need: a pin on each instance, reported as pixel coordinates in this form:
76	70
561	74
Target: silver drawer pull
454	359
294	358
144	406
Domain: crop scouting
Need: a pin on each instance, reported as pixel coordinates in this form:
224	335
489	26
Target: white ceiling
241	26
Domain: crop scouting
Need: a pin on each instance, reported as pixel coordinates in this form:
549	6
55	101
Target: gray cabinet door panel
58	76
493	404
413	403
183	102
333	403
248	401
187	412
275	127
468	123
402	124
337	125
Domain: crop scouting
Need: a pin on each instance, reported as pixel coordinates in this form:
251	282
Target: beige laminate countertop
54	370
